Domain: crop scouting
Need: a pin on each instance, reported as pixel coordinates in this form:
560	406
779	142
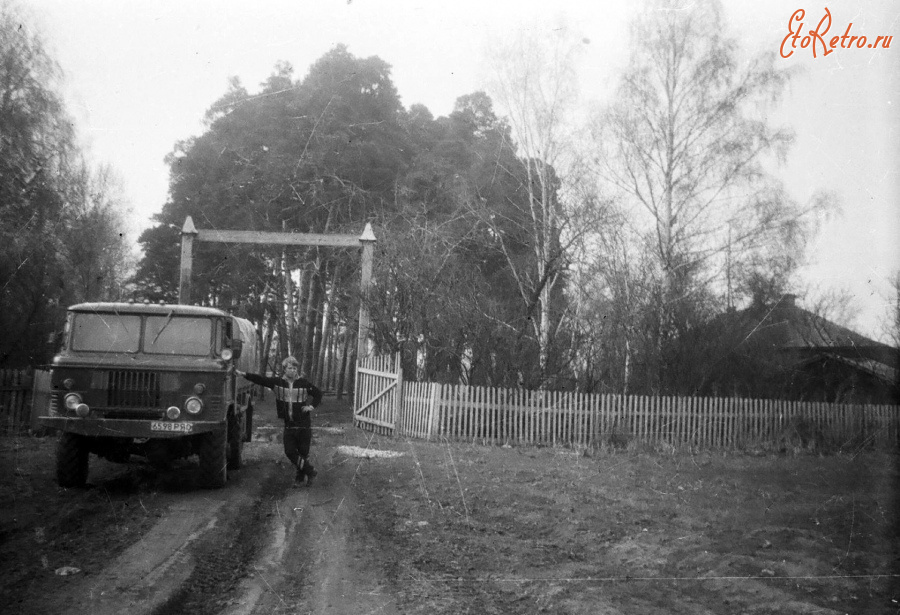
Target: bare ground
454	528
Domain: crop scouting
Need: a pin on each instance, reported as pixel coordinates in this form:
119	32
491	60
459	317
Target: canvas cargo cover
246	332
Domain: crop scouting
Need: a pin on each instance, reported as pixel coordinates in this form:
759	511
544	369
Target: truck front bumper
129	428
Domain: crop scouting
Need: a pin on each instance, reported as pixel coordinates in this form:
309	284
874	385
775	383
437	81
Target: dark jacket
290	397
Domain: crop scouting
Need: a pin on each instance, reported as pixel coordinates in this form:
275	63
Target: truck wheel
213	465
235	443
71	460
248	432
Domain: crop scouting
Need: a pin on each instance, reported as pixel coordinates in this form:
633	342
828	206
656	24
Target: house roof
787	326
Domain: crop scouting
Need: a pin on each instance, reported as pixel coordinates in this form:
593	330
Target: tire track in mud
320	558
259	545
344	575
184	559
225	554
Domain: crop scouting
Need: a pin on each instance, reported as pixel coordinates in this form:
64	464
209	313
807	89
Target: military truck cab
155	380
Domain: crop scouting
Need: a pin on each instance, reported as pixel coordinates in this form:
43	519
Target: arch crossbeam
365	242
279	239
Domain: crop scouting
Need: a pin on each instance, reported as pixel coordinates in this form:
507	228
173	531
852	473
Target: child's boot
310	472
301	470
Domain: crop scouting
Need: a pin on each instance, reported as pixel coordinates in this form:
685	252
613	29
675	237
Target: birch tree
688	143
534	82
687	149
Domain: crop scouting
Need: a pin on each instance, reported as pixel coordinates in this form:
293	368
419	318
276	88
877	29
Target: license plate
163	426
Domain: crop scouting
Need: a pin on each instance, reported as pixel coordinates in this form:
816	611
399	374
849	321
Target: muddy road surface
396	525
141	541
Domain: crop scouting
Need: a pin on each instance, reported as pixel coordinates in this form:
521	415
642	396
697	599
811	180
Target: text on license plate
162	426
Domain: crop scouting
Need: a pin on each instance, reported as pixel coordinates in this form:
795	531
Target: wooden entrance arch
366	241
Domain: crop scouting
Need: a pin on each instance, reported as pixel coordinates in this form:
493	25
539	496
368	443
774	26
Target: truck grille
135	415
130	388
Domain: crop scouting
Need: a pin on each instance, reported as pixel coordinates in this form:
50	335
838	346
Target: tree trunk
313	313
345	355
324	369
301	311
267	345
288	346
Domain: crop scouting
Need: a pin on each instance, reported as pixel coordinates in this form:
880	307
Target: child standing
295	398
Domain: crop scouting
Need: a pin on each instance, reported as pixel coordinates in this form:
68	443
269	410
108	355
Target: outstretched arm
258	379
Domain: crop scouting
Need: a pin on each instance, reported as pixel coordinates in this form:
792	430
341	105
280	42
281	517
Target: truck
155	380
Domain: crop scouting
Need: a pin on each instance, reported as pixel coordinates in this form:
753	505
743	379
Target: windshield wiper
165	324
121	320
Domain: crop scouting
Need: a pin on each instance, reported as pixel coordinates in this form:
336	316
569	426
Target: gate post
367	239
188	232
434	417
399	419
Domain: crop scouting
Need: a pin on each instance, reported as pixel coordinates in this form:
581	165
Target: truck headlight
72	400
193	405
226	354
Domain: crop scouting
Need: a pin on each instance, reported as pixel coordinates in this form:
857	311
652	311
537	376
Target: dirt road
456	527
318	557
141	542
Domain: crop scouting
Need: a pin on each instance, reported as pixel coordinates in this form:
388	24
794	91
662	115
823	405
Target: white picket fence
553	418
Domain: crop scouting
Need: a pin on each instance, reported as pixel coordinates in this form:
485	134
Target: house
816	359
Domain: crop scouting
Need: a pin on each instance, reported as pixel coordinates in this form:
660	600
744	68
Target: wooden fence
515	416
16	392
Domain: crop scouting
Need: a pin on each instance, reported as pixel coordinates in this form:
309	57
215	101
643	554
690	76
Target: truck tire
235	443
248	432
71	460
213	464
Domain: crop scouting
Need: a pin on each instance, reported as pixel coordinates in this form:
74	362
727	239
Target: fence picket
720	424
470	413
717	424
481	413
672	419
529	417
554	417
709	422
516	415
557	397
700	421
647	403
457	412
461	412
593	409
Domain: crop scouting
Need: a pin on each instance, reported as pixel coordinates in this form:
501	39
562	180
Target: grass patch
512	530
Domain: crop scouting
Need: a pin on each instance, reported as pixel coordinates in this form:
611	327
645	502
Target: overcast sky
141	74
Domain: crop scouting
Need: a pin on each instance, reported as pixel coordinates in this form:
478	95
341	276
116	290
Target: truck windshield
178	335
106	332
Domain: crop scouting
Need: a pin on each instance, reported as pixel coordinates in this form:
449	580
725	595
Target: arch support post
188	233
367	240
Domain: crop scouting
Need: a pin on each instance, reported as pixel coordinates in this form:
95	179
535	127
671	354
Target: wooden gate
378	391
